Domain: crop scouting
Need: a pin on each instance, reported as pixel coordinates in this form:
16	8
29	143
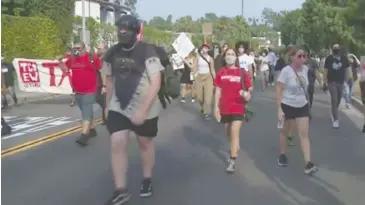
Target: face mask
230	60
241	50
336	51
128	38
76	52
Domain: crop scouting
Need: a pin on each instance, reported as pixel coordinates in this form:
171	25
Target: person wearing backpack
84	83
135	90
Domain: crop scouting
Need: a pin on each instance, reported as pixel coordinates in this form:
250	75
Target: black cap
129	22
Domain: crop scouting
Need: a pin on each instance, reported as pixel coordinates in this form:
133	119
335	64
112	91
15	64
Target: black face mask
127	38
336	51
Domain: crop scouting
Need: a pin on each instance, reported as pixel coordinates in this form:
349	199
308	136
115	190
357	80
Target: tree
14	7
292	28
61	12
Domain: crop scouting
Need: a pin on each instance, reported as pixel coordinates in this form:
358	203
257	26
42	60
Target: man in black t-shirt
8	72
335	66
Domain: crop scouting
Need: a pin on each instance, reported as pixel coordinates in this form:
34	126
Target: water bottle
280	124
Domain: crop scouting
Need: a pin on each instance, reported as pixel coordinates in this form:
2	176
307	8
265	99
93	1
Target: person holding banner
187	77
204	80
83	67
7	83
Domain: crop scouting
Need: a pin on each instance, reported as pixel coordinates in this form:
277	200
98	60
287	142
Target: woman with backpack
204	80
233	89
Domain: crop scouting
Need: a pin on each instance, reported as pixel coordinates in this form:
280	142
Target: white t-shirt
203	66
245	60
264	64
293	93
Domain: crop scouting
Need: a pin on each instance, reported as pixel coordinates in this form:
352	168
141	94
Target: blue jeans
347	91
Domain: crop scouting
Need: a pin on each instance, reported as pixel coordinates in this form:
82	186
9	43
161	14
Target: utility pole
243	17
83	22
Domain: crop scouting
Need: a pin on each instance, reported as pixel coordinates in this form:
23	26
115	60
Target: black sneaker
6	130
119	198
146	188
310	168
282	160
82	140
363	129
93	133
290	141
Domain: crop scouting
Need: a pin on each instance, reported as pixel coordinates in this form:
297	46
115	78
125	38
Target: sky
147	9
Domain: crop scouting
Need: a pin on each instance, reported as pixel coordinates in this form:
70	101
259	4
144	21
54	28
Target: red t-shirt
229	80
84	73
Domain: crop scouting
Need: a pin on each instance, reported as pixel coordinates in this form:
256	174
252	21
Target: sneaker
282	160
207	117
363	128
119	198
93	133
72	104
6	130
146	188
82	140
183	100
192	100
336	124
231	166
347	105
310	168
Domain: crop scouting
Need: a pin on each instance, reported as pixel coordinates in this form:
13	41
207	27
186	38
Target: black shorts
292	113
231	118
117	122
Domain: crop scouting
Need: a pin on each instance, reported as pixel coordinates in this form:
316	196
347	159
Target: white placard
183	45
41	76
178	62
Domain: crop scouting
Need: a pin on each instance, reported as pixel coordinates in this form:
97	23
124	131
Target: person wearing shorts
230	100
293	105
84	84
132	104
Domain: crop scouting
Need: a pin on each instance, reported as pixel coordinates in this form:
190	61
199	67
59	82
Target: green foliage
29	37
60	11
93	26
14	7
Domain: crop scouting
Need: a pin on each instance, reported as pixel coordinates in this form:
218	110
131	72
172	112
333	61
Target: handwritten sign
183	45
178	62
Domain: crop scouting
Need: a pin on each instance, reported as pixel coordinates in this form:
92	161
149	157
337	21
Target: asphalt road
191	159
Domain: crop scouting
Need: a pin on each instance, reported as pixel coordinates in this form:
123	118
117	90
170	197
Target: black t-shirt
336	66
280	64
8	70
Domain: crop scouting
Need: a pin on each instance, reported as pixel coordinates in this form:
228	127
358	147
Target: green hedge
29	37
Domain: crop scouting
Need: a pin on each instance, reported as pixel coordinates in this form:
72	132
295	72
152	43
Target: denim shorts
86	103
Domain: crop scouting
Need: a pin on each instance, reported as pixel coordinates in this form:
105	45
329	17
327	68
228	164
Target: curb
357	104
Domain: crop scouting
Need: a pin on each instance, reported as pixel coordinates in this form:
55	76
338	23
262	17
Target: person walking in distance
84	68
133	69
233	90
293	105
246	61
336	66
100	93
272	62
313	68
204	81
7	73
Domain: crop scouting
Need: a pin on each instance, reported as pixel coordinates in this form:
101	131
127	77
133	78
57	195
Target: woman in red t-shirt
230	99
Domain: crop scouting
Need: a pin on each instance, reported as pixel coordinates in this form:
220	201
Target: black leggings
310	94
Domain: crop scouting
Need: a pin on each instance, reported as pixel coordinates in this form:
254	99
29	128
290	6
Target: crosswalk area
24	125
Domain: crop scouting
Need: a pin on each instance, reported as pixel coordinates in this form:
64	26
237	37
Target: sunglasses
301	56
77	48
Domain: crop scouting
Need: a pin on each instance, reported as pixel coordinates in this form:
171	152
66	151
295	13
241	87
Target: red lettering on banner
52	80
29	73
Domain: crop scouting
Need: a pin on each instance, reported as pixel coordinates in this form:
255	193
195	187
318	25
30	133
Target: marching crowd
132	82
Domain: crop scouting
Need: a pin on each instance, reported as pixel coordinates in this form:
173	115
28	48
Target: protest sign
177	61
183	45
42	76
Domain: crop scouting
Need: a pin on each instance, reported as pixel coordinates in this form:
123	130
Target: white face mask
230	60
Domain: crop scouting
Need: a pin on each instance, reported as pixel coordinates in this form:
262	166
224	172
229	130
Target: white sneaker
336	124
192	100
347	105
183	101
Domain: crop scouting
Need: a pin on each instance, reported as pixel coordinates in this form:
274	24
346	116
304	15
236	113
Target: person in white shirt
272	62
246	61
264	70
293	106
204	80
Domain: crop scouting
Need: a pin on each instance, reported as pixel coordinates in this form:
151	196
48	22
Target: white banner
178	62
183	45
41	76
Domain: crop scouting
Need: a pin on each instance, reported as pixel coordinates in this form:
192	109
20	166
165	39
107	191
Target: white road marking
28	125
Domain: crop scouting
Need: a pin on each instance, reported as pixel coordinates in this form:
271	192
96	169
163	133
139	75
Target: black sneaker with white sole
119	197
282	160
93	133
146	188
83	140
310	168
